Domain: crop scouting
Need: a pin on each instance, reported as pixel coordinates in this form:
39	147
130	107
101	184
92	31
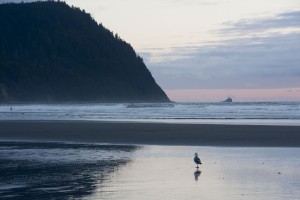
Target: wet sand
46	170
152	133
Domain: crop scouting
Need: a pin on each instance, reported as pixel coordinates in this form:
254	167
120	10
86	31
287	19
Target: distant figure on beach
10	108
197	160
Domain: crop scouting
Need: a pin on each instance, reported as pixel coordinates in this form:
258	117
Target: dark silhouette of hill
52	52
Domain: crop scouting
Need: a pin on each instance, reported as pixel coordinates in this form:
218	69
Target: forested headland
51	52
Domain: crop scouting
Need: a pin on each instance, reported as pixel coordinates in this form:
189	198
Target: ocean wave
131	111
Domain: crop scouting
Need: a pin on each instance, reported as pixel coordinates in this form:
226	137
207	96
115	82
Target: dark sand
152	133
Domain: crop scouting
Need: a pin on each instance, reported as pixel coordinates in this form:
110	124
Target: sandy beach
152	133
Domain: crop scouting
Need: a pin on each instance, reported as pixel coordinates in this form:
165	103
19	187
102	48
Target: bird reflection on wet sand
197	173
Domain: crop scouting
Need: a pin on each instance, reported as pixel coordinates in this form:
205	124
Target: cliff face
52	52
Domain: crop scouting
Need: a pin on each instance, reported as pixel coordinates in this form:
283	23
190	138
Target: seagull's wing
197	160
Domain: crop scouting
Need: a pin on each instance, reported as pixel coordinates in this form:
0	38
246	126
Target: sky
207	50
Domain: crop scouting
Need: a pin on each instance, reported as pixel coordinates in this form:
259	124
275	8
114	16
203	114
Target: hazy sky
206	50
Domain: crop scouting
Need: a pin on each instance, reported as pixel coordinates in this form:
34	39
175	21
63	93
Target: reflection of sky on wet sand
86	171
56	170
160	172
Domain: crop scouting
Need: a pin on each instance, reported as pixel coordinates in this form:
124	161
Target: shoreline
152	133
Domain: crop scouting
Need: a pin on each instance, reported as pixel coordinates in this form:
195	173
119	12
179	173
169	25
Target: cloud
284	21
257	61
199	2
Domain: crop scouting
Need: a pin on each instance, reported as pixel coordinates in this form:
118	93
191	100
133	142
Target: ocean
287	113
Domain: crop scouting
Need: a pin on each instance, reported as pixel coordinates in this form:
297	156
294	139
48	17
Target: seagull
197	160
